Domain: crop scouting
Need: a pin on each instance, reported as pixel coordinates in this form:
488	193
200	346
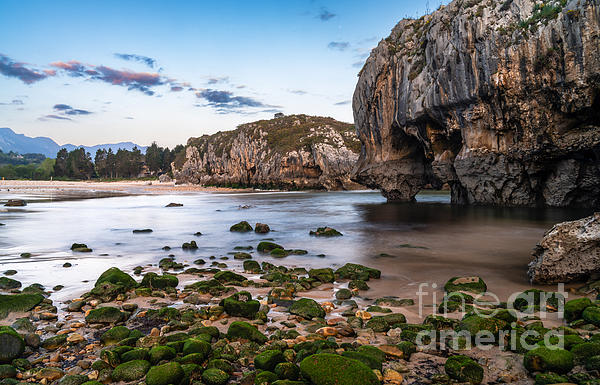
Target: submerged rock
172	204
325	232
569	251
80	247
261	228
241	227
15	203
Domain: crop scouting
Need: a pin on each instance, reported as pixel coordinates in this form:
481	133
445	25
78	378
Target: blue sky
87	72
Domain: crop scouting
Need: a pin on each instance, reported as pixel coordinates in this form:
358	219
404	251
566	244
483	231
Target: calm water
428	241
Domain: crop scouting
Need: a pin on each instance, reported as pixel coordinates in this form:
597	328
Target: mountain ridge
23	144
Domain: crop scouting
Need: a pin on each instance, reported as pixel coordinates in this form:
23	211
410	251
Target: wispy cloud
227	102
325	15
141	81
338	45
297	92
342	103
14	102
176	88
148	61
55	117
217	80
65	109
10	68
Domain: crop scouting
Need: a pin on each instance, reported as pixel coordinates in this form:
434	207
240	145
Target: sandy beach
95	189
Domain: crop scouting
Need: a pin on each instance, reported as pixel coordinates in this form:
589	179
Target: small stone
392	351
327	331
392	377
75	338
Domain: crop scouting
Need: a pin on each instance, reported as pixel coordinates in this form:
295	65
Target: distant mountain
11	141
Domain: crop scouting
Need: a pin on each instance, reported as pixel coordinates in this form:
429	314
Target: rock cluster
291	152
498	99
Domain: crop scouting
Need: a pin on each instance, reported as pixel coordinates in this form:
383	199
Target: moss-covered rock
475	324
251	266
470	284
287	371
191	245
325	232
575	307
591	314
243	330
73	379
81	248
7	371
166	374
220	364
268	359
267	247
543	359
155	281
106	315
114	335
332	369
366	359
227	276
194	345
9	283
214	376
464	369
241	304
324	275
135	354
53	343
358	285
550	378
585	350
535	299
343	294
12	344
161	353
265	378
354	271
131	370
115	276
307	308
241	227
18	303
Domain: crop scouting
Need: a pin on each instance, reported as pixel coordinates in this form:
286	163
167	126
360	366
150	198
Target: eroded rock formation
499	99
296	151
570	251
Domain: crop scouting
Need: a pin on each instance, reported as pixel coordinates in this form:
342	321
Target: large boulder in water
569	251
115	276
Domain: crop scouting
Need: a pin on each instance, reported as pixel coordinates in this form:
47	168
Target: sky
86	73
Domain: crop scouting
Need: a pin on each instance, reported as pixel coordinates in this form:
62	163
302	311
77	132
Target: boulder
307	308
569	251
131	371
155	281
169	373
243	330
464	369
543	359
116	276
241	304
106	315
18	303
469	284
241	227
214	376
324	275
261	228
12	344
9	283
332	369
268	359
325	232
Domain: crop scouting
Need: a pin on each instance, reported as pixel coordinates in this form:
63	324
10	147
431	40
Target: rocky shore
271	324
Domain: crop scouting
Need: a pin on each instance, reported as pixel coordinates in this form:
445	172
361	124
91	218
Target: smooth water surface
428	241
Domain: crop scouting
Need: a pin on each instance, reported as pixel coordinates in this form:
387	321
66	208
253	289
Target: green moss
214	376
325	232
105	315
7	371
324	275
265	378
585	350
9	283
287	371
155	281
241	227
575	307
279	253
470	284
117	277
549	378
166	374
114	335
366	359
354	271
475	324
268	359
161	353
81	247
53	343
591	314
18	303
251	267
307	308
220	364
543	359
196	346
267	247
135	354
332	369
131	371
534	299
241	304
227	276
73	379
464	369
243	330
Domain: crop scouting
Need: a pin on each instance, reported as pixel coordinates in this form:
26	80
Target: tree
60	166
100	163
79	164
154	155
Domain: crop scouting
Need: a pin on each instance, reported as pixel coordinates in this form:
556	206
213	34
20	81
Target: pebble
327	331
363	315
75	338
391	376
392	351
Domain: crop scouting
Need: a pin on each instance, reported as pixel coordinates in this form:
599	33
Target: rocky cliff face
499	99
296	151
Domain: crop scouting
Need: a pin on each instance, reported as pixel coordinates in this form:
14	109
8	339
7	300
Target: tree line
78	164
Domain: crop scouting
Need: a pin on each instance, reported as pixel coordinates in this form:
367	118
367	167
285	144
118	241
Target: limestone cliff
293	152
499	99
